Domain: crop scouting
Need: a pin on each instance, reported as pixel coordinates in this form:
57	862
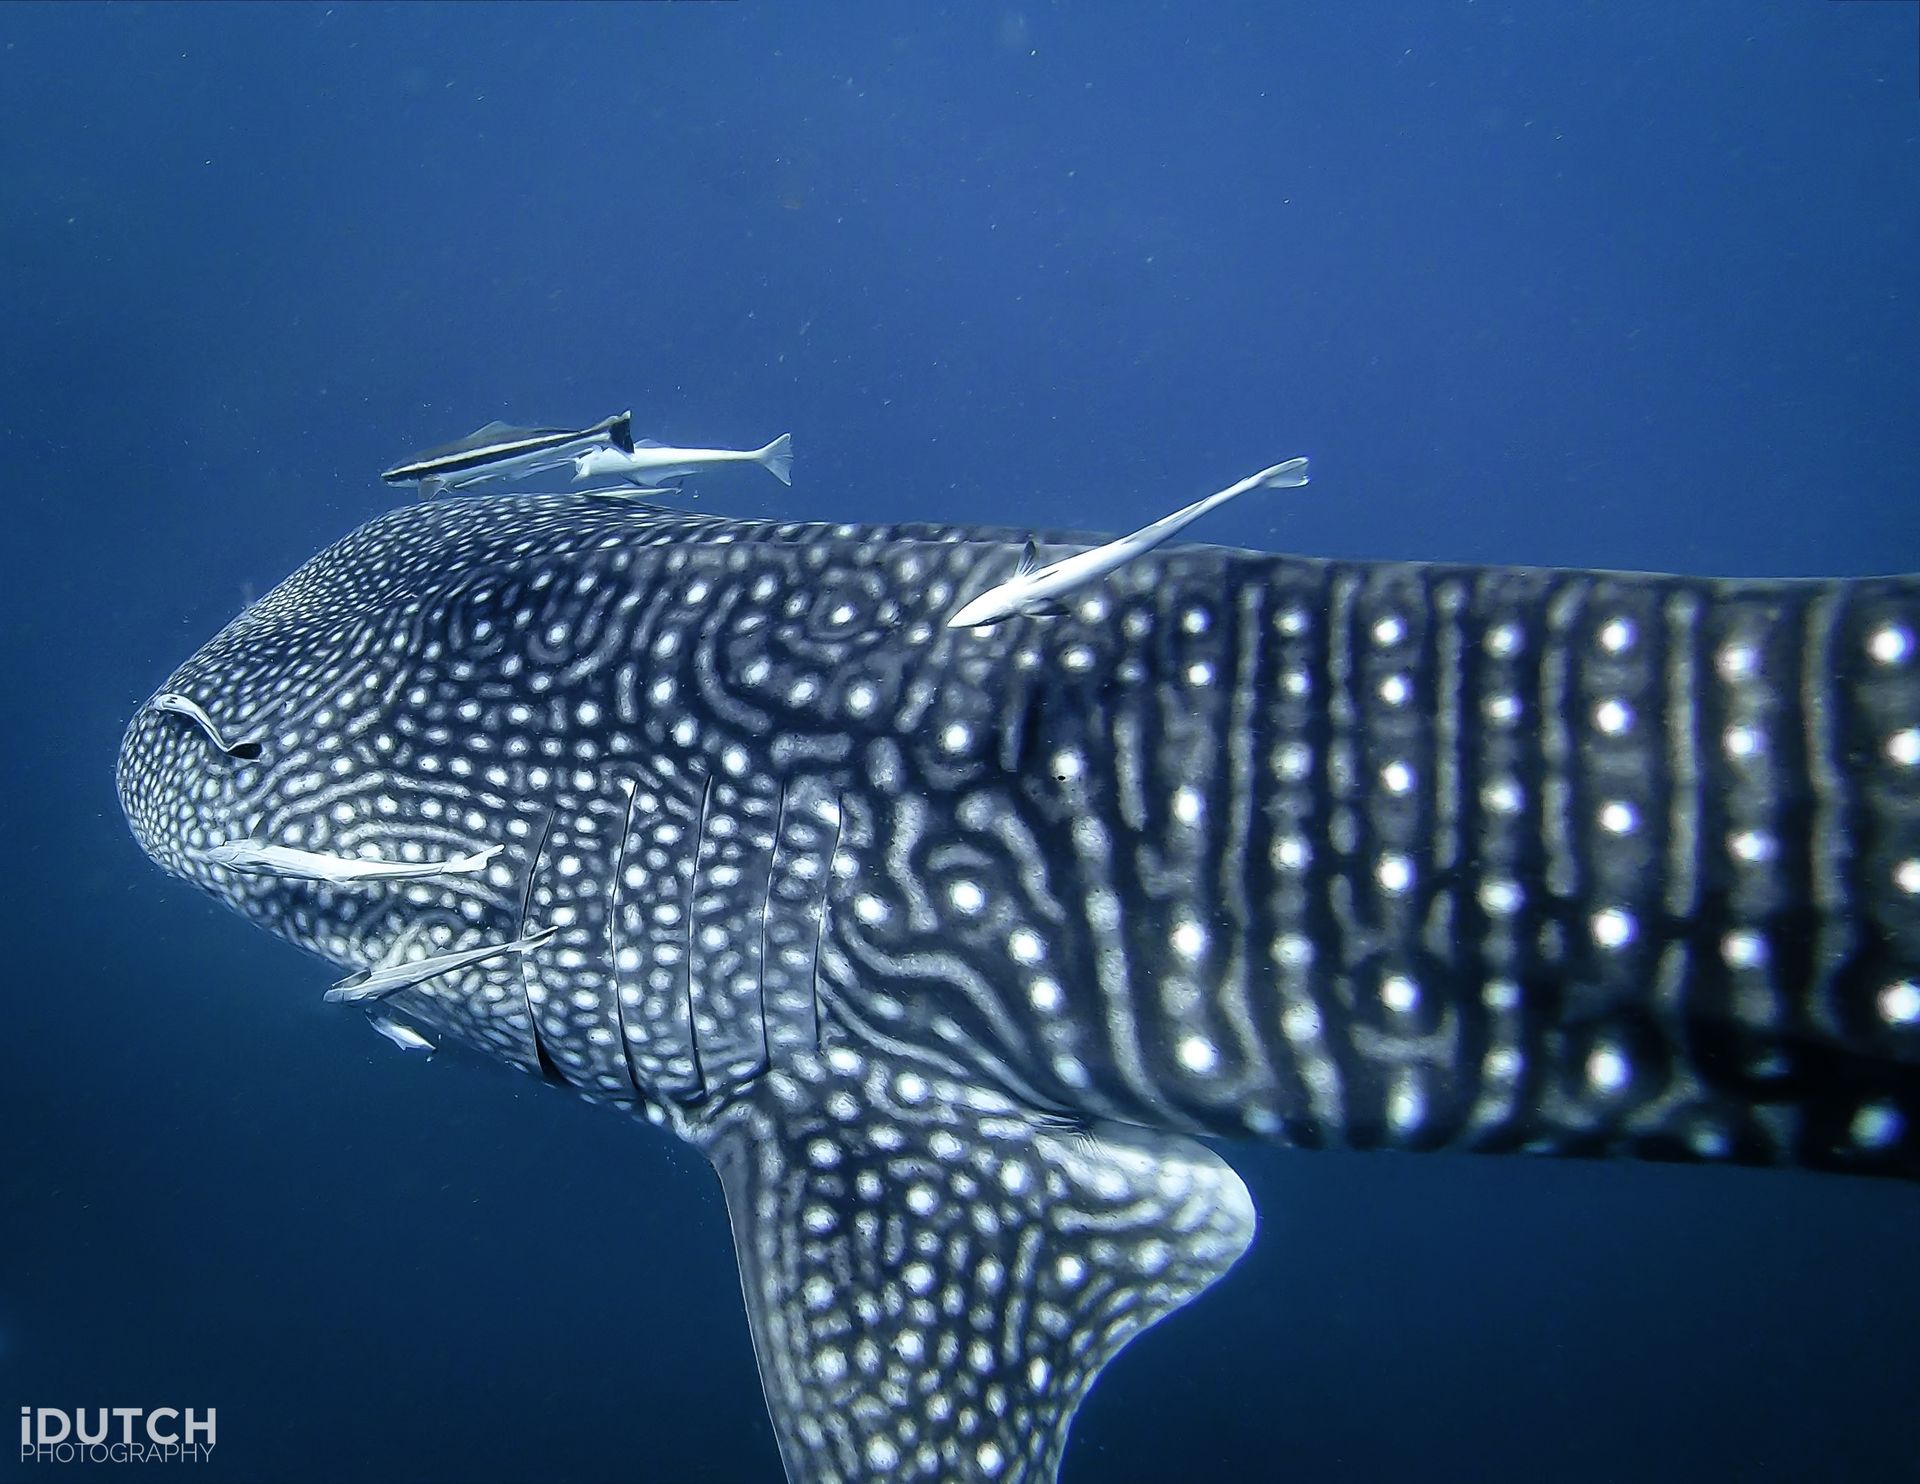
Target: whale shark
960	953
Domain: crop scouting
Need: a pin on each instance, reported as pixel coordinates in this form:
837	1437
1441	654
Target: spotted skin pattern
944	944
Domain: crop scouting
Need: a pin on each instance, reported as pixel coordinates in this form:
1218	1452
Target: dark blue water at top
1610	285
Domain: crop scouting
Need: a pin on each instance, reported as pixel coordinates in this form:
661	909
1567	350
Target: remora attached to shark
944	945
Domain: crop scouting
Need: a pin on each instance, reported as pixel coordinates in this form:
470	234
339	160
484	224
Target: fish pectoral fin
933	1289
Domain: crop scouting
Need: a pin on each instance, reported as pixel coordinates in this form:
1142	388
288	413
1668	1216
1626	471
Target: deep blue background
1621	284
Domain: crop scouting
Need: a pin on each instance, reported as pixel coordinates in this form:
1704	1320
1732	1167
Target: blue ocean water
1607	285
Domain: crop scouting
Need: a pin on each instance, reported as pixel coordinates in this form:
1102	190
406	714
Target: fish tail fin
620	431
777	458
1290	475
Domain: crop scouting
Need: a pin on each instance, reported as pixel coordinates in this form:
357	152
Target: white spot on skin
967	896
1900	1003
1291	853
1752	847
1503	797
1617	817
1613	717
1189	939
1293	951
1025	945
1607	1070
1045	994
1616	636
1504	641
869	909
1397	777
1736	661
1389	630
956	738
1197	1054
1904	748
1906	876
1500	897
1890	644
1743	950
1741	742
1395	690
1876	1126
1187	805
1399	993
1612	928
1394	873
1502	708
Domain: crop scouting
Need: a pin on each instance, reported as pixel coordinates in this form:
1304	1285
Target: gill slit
549	1069
820	923
766	911
693	884
613	939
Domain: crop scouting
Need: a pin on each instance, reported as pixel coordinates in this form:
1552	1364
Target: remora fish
944	945
397	971
1035	589
179	705
501	451
402	1035
654	464
340	870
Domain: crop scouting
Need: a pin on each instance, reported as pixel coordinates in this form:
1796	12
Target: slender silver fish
402	1035
501	450
654	464
390	978
1034	589
341	870
178	705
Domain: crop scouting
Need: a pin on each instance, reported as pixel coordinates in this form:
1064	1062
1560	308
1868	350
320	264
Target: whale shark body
949	947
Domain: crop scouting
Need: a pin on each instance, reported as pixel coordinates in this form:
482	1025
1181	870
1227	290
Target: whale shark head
941	943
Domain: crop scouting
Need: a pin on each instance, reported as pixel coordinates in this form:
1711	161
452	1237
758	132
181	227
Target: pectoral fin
934	1282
